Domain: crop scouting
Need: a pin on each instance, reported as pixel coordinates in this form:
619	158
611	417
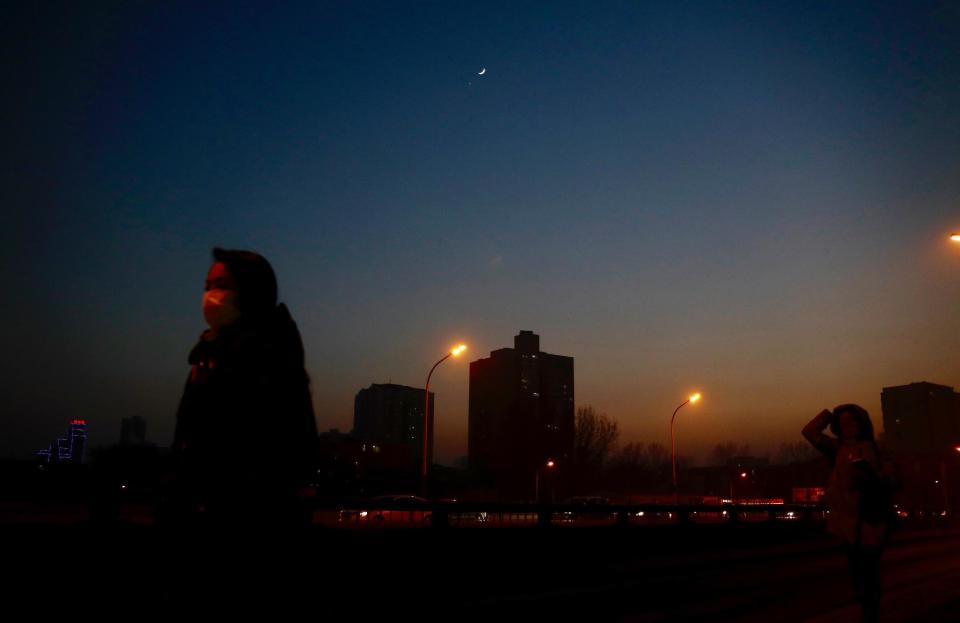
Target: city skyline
748	200
768	447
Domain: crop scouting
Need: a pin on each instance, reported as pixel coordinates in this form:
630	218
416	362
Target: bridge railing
491	515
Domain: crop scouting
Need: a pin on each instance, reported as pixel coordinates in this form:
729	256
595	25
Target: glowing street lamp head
955	237
694	398
458	349
551	463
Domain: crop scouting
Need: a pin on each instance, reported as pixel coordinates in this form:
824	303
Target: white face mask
219	308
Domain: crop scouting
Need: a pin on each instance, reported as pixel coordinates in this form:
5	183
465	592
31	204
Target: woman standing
856	496
245	433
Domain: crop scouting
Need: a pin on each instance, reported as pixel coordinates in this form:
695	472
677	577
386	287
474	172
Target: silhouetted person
245	432
855	497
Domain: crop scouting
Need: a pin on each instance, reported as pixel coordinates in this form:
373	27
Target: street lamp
456	351
673	440
550	464
733	497
955	237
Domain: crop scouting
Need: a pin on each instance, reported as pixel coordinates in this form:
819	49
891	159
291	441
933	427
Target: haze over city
751	201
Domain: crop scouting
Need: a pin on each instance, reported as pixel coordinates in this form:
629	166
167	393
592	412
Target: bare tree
723	452
657	455
634	455
595	438
792	452
639	466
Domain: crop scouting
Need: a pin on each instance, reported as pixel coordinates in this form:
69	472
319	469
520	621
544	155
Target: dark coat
246	435
857	469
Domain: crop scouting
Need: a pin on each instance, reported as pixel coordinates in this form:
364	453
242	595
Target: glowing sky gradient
752	200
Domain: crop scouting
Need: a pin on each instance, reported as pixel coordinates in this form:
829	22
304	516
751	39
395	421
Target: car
592	510
398	509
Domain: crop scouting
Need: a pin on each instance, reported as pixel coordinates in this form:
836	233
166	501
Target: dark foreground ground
665	573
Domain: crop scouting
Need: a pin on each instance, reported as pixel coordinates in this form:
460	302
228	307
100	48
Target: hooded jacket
245	433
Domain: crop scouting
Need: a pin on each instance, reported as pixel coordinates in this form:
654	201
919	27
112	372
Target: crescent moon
482	71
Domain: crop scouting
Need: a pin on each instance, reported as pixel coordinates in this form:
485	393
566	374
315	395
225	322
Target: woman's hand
813	432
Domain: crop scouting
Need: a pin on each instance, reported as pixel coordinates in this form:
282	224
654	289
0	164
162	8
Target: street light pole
426	419
673	446
550	464
673	442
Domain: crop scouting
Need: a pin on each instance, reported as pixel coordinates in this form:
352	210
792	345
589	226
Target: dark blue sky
749	199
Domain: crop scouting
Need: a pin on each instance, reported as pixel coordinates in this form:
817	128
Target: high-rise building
78	441
393	414
133	431
522	416
69	449
921	418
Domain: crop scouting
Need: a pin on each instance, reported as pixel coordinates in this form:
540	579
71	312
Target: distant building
522	415
349	466
921	424
78	441
921	418
69	449
391	415
133	431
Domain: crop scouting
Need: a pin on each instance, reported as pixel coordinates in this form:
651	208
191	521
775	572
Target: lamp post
673	441
733	497
454	352
550	464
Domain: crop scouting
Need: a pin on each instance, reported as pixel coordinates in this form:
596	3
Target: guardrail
408	514
470	514
466	514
